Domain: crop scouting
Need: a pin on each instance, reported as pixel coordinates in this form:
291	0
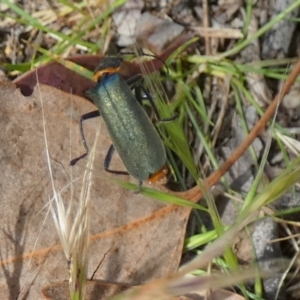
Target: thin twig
196	193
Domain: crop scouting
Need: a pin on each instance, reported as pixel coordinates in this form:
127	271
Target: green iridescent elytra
132	133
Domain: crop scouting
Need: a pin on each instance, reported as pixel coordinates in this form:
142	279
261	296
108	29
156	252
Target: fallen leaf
102	291
95	290
59	76
133	238
212	295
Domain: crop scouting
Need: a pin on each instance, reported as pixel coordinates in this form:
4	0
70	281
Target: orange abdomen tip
159	177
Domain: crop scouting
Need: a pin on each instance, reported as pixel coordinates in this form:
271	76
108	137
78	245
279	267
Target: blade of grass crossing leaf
158	195
68	64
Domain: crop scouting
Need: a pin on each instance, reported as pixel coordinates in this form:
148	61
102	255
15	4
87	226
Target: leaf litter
135	238
229	15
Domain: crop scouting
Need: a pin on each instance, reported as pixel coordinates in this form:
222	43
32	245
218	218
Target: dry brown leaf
133	238
213	295
95	290
101	291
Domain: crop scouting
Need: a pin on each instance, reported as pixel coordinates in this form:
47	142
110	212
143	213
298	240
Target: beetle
132	132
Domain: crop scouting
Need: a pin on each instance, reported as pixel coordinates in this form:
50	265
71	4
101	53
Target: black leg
150	99
107	162
142	94
134	79
90	115
139	187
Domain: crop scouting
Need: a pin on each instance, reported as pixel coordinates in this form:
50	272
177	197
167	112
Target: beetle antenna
146	54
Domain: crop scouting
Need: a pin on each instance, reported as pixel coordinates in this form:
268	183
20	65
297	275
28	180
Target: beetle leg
134	79
134	83
139	188
90	115
152	103
107	162
142	94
